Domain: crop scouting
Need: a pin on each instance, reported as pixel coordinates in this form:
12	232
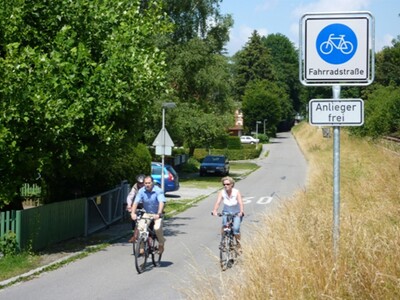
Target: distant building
237	130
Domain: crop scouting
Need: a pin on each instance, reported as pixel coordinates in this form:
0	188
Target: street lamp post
264	125
258	122
164	106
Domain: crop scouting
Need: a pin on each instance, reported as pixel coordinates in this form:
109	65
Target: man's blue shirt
150	199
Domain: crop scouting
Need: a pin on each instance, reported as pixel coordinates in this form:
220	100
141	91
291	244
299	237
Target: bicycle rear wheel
155	255
141	258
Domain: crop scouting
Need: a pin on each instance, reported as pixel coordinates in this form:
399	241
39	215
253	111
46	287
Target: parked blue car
215	164
171	178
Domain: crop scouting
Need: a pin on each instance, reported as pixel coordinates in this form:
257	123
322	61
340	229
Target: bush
9	244
179	151
382	113
191	166
234	143
263	138
136	160
220	142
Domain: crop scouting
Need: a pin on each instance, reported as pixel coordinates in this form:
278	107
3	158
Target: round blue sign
336	44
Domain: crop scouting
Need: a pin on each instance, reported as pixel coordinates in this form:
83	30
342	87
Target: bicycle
146	244
338	43
228	248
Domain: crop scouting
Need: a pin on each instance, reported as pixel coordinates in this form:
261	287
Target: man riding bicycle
233	204
153	200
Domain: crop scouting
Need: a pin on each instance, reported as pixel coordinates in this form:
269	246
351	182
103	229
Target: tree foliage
198	73
200	76
382	112
286	66
197	19
382	98
388	65
265	100
253	62
78	80
199	129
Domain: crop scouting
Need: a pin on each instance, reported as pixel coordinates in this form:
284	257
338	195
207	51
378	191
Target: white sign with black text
336	112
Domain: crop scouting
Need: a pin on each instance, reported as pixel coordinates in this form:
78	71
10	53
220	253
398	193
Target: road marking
247	200
261	200
265	200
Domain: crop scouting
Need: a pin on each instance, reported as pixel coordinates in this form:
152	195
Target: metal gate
106	208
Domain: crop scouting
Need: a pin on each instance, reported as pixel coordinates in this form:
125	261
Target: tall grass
291	257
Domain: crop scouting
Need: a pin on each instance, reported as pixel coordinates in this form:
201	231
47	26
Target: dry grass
293	257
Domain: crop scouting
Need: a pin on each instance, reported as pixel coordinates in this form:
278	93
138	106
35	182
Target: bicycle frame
336	42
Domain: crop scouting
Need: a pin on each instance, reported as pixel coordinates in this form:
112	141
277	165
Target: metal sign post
163	142
336	49
336	180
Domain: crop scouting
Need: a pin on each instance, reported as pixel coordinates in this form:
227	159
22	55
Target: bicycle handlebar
142	211
226	214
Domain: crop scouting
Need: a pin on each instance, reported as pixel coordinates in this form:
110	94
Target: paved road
191	247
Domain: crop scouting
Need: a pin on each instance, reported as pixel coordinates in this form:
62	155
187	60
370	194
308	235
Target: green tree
286	65
382	112
381	98
198	72
199	129
197	19
265	100
78	83
200	76
253	62
388	65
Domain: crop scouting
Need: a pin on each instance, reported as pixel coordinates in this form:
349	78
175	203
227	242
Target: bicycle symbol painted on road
336	44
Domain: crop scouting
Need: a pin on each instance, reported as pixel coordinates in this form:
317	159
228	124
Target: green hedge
248	152
234	143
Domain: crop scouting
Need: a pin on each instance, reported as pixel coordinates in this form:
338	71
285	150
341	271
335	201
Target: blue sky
283	16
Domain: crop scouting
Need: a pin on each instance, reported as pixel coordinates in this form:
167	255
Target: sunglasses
226	184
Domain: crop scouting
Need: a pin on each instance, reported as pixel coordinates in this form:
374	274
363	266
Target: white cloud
238	38
385	41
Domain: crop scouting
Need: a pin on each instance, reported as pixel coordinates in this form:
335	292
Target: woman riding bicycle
233	204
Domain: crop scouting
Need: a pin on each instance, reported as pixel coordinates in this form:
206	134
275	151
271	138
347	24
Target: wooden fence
42	226
39	227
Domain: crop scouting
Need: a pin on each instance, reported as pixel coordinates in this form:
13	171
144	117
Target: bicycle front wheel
224	253
136	234
141	254
233	250
155	255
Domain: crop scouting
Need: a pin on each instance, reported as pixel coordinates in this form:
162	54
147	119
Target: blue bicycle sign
336	44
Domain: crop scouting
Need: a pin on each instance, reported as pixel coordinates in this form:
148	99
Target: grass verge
13	265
